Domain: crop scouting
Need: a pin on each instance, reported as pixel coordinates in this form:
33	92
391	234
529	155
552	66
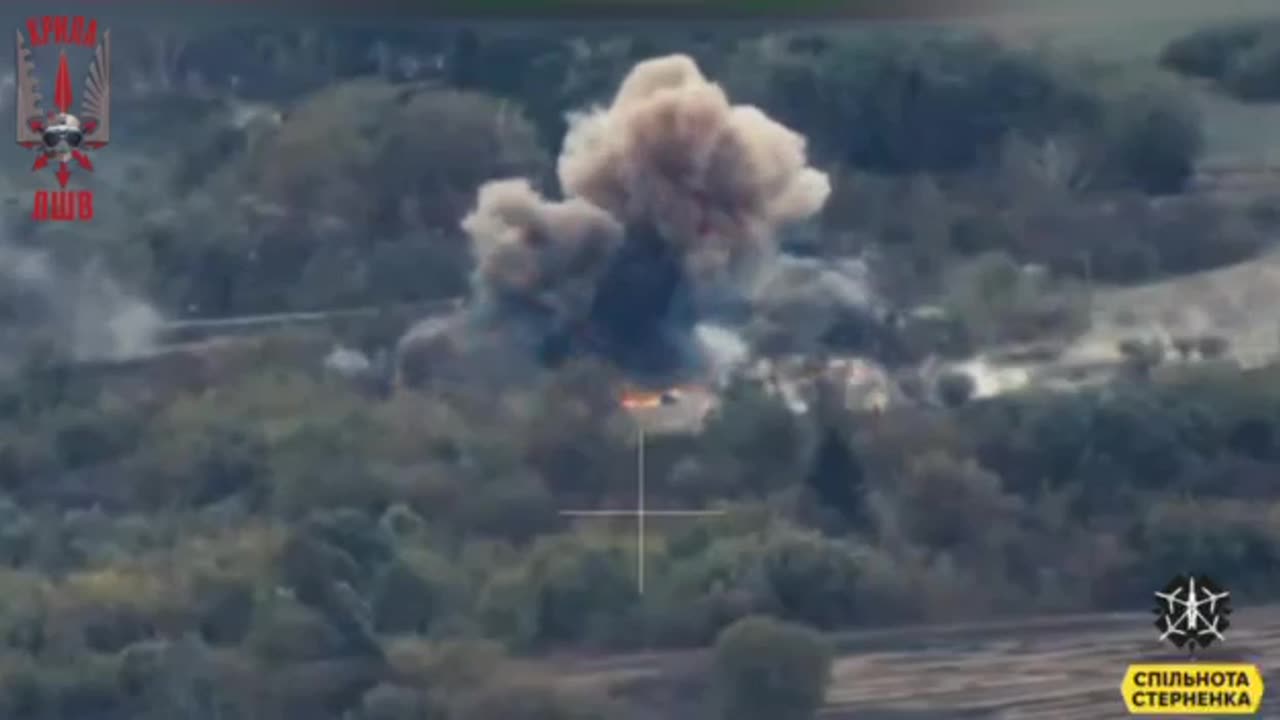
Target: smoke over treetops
74	313
672	196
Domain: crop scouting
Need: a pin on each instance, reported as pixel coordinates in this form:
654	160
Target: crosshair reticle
640	512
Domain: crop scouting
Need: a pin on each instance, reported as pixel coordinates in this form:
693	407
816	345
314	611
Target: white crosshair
640	512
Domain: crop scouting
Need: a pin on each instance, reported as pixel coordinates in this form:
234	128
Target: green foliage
286	631
344	202
1226	535
568	591
769	669
902	104
1152	137
997	301
225	533
813	579
758	447
869	101
318	162
988	496
414	591
716	579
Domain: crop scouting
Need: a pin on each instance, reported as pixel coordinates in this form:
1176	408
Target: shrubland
271	540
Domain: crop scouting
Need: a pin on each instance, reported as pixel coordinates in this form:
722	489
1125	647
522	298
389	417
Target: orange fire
641	399
633	399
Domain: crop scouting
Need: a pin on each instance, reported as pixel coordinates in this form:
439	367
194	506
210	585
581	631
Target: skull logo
62	135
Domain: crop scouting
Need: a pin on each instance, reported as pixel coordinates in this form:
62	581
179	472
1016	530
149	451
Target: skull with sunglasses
61	136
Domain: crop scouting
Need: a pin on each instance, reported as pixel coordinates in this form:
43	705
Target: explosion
673	199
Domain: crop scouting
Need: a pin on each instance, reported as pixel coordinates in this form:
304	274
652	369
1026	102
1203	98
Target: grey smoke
816	301
78	314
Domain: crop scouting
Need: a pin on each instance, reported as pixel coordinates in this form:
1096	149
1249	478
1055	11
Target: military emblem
60	137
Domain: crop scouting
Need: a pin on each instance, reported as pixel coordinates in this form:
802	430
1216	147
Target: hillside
331	412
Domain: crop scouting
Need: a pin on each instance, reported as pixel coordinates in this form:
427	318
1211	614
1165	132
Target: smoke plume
817	303
673	197
51	311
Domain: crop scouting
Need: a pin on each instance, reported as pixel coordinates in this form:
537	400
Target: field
1066	668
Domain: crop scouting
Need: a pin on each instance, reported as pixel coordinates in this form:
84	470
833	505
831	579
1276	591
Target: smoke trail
673	195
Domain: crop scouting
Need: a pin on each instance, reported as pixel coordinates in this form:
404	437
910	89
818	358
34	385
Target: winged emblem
61	137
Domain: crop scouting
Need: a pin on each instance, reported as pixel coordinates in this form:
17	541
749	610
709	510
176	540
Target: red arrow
42	161
63	174
62	91
83	159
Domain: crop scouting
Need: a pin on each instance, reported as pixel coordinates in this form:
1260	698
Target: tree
836	476
944	102
1153	138
812	579
771	670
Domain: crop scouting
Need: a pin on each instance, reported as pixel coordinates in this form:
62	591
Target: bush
951	504
581	588
1222	538
770	670
813	579
413	592
713	580
285	631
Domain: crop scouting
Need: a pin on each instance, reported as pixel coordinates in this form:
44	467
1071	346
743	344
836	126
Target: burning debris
674	198
680	409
